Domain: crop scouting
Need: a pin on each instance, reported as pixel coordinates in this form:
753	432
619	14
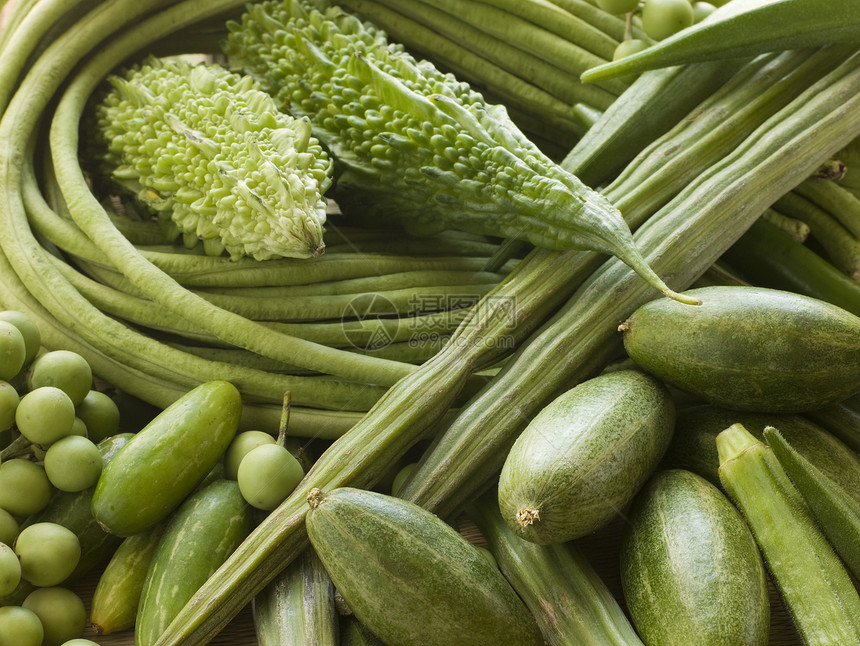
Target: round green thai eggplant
749	348
690	568
584	456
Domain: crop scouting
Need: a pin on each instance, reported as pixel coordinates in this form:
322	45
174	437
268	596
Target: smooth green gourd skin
209	152
205	530
584	456
749	348
414	144
690	568
410	578
158	467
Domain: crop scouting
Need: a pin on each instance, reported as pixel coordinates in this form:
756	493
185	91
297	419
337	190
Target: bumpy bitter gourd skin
210	153
414	144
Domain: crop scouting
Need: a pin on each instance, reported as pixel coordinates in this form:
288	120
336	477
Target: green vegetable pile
402	304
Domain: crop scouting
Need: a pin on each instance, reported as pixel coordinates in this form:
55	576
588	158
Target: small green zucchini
691	567
570	602
117	593
199	537
411	578
163	463
694	445
743	28
749	348
298	606
815	586
584	456
837	513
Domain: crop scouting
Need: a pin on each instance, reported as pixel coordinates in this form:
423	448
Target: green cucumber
117	594
749	348
694	445
409	577
584	456
690	566
813	582
167	459
203	532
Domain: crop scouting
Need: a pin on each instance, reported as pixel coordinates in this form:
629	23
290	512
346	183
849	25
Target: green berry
61	612
45	414
24	487
73	463
267	475
13	350
662	18
49	553
20	627
239	448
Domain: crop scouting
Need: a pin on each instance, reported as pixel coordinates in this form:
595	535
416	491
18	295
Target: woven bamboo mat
601	549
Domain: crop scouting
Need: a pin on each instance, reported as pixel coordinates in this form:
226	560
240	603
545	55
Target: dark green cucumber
167	459
409	577
690	568
585	455
203	532
117	594
694	446
749	348
813	582
570	602
298	606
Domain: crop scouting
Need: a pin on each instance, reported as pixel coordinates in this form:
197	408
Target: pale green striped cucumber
409	577
815	586
585	455
205	530
749	348
167	459
694	445
690	568
117	594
